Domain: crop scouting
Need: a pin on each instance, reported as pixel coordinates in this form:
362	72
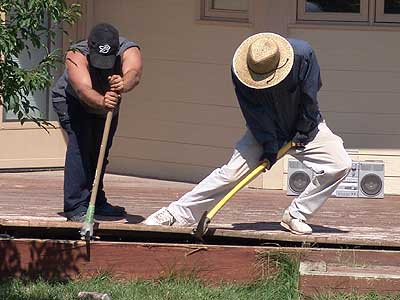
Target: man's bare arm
131	72
79	78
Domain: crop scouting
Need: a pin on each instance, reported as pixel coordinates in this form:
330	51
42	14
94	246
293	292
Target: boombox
365	180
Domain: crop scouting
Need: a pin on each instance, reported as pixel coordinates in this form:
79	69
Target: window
333	10
388	11
225	10
40	99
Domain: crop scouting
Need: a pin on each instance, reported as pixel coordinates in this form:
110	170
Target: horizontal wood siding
32	148
183	120
361	91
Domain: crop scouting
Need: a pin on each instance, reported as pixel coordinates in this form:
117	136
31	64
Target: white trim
27	163
227	15
344	26
381	17
302	15
228	23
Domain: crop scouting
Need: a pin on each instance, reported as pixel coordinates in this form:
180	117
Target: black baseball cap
103	42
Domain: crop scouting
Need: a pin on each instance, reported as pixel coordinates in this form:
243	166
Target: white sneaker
296	226
160	217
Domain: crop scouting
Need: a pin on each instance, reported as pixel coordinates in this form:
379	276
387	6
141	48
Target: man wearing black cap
98	71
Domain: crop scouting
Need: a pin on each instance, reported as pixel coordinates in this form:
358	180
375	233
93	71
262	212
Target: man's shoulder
125	44
81	46
301	47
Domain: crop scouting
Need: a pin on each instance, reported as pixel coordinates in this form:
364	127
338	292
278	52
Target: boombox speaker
299	176
371	179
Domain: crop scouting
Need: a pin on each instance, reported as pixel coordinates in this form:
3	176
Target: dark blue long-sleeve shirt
275	114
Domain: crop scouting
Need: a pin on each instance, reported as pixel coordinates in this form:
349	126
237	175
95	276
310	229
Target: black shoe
110	210
79	217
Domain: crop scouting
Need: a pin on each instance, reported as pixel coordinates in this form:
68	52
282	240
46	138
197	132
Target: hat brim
263	81
102	61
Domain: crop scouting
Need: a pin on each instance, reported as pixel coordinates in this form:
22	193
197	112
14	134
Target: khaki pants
325	155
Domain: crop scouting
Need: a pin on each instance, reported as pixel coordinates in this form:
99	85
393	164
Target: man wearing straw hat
276	82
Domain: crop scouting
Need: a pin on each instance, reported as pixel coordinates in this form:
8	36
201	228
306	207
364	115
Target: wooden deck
34	199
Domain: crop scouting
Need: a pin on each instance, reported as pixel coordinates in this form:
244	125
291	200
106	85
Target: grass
282	285
167	289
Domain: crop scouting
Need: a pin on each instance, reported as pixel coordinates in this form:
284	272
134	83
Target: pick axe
206	218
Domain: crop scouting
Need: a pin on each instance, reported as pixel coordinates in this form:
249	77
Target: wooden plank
386	142
171	79
356	258
313	285
30	219
360	108
360	271
45	149
171	152
188	112
377	237
162	41
358	101
236	264
356	50
372	124
351	80
158	169
251	213
178	133
67	259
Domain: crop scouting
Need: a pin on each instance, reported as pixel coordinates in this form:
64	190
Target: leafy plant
22	30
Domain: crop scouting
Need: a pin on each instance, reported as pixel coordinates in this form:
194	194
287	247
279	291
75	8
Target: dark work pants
85	133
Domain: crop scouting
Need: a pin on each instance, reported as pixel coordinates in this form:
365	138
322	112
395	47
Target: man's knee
343	167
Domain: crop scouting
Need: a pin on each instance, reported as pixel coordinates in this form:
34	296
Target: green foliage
23	30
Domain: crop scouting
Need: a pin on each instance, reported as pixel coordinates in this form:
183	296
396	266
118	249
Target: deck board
34	199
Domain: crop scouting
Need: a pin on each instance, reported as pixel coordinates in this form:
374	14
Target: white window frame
381	17
227	15
363	16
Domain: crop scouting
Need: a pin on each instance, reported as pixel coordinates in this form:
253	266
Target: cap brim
263	81
102	61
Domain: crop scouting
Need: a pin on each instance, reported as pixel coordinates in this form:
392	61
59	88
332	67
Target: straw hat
263	60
